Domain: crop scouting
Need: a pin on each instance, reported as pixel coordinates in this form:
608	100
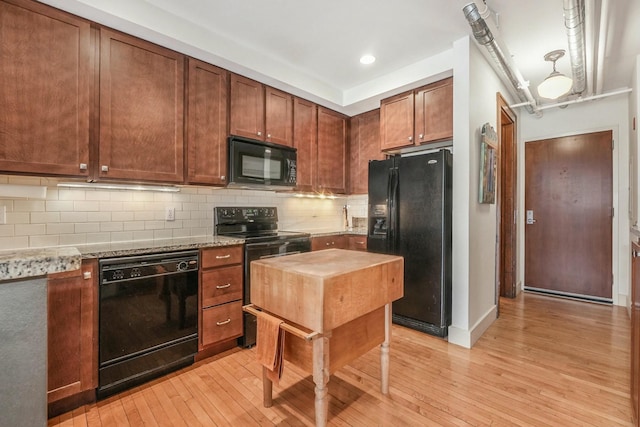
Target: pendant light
557	84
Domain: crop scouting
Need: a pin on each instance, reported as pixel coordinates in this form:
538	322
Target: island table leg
267	387
384	351
321	378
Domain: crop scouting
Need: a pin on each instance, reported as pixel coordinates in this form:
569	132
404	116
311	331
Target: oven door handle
279	255
275	243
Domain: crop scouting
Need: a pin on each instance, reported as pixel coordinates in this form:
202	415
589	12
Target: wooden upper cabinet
396	121
247	108
421	116
207	111
278	117
305	130
46	75
434	112
141	110
364	145
332	151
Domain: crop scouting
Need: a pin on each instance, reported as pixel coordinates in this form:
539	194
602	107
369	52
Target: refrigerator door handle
393	210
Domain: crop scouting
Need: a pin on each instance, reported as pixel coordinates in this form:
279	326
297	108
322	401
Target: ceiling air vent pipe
574	23
483	35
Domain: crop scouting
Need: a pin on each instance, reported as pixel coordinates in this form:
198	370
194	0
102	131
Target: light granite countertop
26	263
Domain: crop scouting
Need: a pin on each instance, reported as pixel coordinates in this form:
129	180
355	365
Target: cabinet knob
410	138
268	135
259	133
222	178
83	166
421	136
86	275
105	168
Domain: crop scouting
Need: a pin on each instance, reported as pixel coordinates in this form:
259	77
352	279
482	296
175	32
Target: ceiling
312	49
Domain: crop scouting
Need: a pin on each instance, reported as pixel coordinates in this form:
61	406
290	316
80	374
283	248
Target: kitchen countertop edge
36	262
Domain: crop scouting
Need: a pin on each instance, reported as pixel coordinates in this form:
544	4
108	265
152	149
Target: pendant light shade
556	84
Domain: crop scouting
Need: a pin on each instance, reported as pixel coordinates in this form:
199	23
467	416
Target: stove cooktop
254	224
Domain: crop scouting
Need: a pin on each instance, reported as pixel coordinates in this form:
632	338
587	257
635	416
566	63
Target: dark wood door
46	68
396	121
364	145
508	199
141	110
72	320
305	132
635	331
568	240
332	151
278	117
207	111
434	112
246	115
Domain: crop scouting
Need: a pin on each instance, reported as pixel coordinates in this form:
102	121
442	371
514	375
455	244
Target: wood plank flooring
544	362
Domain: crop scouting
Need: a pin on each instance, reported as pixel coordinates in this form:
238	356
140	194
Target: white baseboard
467	338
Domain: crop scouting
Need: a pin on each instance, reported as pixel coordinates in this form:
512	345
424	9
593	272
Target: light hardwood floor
545	361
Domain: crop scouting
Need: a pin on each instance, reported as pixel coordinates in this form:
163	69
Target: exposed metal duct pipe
574	23
483	35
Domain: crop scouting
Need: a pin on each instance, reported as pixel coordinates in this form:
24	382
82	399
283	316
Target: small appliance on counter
258	226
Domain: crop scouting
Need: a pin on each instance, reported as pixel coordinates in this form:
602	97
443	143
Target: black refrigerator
410	215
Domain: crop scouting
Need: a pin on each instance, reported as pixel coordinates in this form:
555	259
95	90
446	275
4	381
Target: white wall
604	114
85	216
474	224
634	144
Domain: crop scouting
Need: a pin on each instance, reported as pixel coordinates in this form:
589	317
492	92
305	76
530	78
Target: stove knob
182	265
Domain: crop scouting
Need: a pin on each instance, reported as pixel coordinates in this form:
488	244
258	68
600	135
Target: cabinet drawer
337	241
221	322
218	257
358	243
221	285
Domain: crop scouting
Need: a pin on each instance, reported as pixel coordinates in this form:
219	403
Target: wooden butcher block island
335	305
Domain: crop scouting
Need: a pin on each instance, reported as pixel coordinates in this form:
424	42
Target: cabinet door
635	330
364	145
71	329
357	243
332	151
434	112
305	130
46	68
207	124
396	121
141	110
247	108
336	241
278	117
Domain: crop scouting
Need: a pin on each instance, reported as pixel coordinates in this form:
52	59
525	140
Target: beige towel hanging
270	345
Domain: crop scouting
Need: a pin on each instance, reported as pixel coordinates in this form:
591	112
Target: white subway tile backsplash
71	216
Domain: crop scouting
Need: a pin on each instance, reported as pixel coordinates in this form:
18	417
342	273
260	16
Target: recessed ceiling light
367	59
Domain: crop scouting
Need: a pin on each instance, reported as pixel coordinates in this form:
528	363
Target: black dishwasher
148	318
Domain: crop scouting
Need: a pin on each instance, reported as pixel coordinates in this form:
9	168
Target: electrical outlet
170	214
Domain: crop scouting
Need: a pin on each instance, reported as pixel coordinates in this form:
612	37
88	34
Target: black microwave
261	165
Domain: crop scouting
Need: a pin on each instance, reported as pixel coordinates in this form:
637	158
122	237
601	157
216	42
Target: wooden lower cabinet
72	329
220	317
635	332
336	241
357	242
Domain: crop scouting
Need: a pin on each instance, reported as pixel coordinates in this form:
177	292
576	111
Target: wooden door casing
305	131
207	118
569	187
246	115
46	59
278	117
635	331
332	151
141	110
364	145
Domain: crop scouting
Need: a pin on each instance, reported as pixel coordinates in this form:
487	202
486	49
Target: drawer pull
359	243
223	256
223	286
224	322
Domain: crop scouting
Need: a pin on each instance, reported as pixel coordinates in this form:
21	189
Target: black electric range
258	226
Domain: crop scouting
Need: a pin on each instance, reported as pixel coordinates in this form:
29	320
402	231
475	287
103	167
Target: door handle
530	219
